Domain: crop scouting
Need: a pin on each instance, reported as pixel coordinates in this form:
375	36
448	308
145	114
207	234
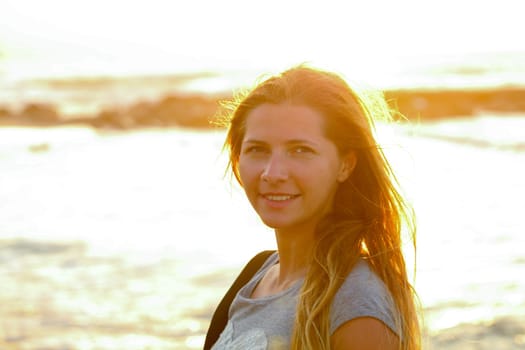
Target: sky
139	36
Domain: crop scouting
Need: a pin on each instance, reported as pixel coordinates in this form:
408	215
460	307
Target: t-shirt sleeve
363	294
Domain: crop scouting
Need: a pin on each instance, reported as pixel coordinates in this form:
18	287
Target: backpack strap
220	316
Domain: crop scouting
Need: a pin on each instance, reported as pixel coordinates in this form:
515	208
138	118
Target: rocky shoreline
426	104
193	111
199	110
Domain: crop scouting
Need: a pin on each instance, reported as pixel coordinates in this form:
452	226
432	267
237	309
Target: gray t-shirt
266	323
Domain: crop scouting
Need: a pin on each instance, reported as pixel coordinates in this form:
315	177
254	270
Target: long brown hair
368	213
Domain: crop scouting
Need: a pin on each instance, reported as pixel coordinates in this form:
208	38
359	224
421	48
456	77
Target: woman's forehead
284	119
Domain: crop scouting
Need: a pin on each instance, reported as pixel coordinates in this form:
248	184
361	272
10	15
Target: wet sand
58	296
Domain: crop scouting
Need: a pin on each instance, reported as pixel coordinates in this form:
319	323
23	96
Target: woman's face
288	168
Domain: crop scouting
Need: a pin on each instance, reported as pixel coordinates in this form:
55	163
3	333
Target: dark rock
443	103
4	113
40	113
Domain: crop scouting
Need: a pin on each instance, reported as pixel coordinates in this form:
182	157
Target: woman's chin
274	224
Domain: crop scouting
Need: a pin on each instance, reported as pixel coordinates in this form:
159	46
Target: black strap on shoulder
220	316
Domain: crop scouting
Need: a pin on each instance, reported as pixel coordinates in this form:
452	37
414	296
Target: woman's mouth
278	200
279	197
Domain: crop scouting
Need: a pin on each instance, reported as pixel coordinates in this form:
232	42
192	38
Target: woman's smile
279	197
278	200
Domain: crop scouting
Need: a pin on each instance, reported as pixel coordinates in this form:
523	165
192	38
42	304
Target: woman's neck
295	253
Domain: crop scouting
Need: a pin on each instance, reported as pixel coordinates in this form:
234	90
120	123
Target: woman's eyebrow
254	141
301	141
288	142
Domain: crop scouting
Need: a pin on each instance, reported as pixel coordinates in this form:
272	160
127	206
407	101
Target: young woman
302	147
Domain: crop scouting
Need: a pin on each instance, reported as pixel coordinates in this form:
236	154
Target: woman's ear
347	166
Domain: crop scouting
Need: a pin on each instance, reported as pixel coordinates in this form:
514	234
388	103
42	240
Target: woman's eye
254	149
302	150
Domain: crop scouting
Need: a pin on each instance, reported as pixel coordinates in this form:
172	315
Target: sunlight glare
374	37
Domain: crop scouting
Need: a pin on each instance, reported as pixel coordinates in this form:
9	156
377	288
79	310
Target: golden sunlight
118	227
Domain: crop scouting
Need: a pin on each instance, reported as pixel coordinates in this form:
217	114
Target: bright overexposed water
162	194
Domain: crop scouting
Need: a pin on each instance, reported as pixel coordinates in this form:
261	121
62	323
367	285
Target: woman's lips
278	200
278	197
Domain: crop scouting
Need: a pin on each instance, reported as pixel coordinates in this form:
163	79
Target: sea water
170	230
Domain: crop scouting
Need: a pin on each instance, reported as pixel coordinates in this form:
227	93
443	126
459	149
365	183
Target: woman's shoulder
362	271
363	294
363	282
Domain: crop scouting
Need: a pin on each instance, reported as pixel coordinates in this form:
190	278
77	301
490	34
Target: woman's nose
275	170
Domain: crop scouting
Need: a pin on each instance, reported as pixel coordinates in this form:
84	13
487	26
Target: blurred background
118	226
